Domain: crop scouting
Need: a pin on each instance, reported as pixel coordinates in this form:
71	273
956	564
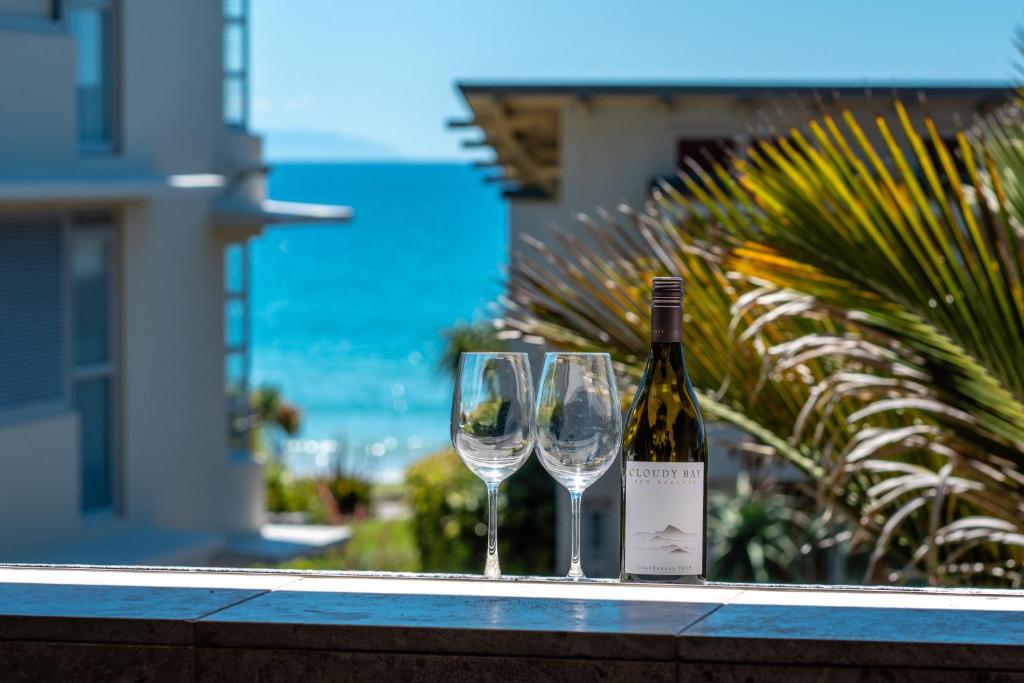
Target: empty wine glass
579	427
492	427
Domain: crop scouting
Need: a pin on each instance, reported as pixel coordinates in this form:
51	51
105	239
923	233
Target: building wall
37	126
39	489
169	83
172	85
20	9
609	154
175	471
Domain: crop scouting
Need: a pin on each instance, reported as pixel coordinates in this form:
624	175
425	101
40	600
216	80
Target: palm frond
854	305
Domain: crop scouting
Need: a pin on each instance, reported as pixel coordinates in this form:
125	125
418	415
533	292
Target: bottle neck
666	325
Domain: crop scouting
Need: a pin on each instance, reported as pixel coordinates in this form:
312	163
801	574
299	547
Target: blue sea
347	320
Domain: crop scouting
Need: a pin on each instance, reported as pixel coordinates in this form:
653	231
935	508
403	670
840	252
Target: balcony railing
236	63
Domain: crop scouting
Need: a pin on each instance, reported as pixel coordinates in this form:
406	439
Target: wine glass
492	427
579	427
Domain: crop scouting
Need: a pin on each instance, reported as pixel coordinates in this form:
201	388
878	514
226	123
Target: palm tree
858	311
269	409
481	336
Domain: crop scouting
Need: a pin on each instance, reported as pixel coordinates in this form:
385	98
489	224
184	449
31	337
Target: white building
562	149
128	186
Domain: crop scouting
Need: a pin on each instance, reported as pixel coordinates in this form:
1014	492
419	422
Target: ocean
347	320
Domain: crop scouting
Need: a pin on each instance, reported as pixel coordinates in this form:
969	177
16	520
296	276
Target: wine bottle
664	458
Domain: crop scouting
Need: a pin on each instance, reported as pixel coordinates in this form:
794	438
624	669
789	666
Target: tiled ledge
153	624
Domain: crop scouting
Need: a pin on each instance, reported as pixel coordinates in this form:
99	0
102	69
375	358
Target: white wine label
664	518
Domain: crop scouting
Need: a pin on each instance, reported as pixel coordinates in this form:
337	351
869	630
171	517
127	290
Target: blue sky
358	79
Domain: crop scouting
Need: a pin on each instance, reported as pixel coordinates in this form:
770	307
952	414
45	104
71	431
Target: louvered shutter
31	313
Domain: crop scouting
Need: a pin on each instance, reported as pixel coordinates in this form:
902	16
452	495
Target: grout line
266	591
720	606
700	619
230	605
728	601
194	648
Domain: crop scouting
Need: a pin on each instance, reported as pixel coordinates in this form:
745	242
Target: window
236	63
91	22
57	340
236	348
705	152
92	393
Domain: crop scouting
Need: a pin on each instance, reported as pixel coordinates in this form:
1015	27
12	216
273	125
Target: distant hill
311	145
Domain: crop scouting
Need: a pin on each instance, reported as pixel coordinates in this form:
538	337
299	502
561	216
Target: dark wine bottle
664	458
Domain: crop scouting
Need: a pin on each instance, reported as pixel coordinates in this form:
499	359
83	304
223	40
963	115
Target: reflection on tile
863	623
857	636
125	602
1003	601
518	588
107	613
427	623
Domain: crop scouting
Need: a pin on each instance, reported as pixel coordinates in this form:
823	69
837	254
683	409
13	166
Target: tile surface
856	635
518	587
458	624
151	624
96	613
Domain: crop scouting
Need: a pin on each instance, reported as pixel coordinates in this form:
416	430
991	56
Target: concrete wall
37	113
172	84
39	486
177	471
172	359
169	87
25	8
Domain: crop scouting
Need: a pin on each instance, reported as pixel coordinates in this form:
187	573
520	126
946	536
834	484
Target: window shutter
31	313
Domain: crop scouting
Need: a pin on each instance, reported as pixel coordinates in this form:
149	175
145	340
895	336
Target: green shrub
286	493
350	493
449	505
375	545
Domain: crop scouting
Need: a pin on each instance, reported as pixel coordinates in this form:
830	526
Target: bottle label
664	518
666	323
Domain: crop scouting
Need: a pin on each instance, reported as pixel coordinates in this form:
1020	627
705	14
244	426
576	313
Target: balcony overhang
33	191
521	123
233	215
238	217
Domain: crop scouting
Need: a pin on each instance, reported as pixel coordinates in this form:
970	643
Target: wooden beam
508	143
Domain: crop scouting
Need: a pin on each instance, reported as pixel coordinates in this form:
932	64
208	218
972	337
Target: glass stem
492	570
575	569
